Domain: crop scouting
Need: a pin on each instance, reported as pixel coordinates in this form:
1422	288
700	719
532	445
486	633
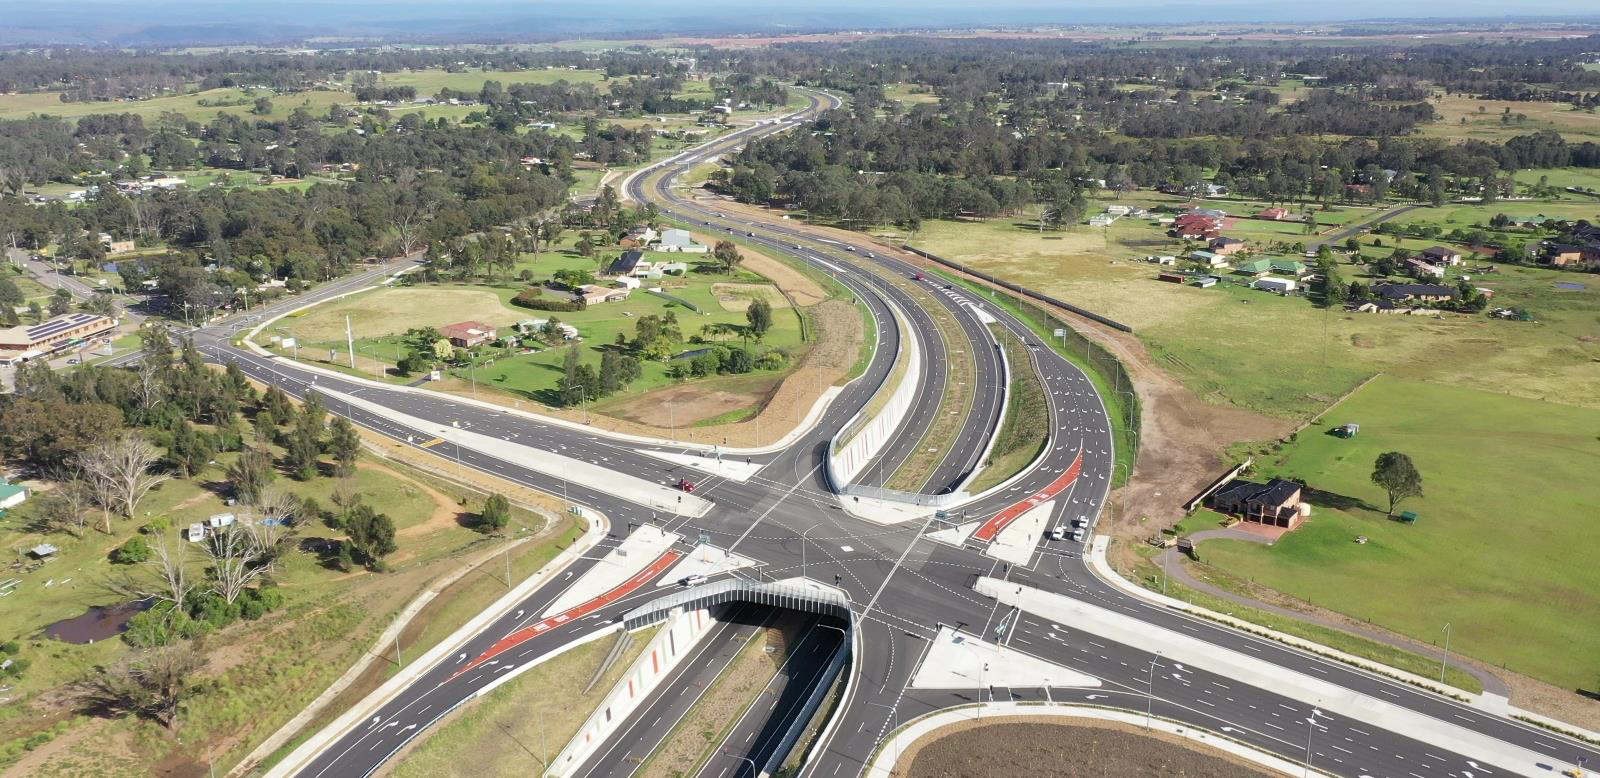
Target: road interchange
903	586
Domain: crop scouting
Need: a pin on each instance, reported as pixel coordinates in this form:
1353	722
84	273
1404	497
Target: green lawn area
428	82
1583	178
378	317
1501	551
1465	216
1285	356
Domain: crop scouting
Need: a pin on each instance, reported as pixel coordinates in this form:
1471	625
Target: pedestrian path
703	560
733	468
1015	543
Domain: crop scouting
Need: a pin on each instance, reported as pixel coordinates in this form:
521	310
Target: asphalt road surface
901	585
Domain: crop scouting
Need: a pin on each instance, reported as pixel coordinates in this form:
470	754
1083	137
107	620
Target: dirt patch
1035	746
681	406
798	285
737	297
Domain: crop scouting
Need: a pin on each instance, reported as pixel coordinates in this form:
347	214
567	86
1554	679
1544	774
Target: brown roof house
467	334
1275	503
1224	245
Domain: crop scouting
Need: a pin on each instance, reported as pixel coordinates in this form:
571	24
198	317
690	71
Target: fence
801	598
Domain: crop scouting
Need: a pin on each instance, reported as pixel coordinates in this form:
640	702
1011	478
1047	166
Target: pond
97	623
1570	285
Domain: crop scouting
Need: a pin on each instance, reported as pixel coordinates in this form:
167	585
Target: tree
233	552
727	255
250	474
344	443
135	551
759	315
119	470
60	302
152	685
63	508
371	533
1395	473
261	107
496	513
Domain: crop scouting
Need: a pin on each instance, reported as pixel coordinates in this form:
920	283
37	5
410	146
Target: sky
152	21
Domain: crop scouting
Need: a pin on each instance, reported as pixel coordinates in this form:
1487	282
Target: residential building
1275	503
626	264
1288	267
639	236
1420	269
1431	293
1274	214
467	334
1440	255
1571	255
1208	259
680	241
1279	285
1254	267
1226	246
595	295
25	342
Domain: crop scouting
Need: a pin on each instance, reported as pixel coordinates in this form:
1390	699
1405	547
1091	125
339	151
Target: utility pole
1446	659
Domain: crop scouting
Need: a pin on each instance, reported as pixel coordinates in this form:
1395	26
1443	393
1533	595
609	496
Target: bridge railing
777	595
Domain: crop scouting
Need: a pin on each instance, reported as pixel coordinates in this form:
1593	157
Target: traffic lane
1087	585
642	732
760	730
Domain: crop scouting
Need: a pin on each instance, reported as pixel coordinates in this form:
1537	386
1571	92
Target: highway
902	585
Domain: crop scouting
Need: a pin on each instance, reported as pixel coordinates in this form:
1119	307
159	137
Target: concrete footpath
633	554
599	525
883	763
956	660
1247	669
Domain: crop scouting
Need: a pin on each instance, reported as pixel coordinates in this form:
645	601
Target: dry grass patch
394	310
737	297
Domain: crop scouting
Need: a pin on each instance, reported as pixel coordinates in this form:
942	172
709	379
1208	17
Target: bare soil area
1036	746
738	297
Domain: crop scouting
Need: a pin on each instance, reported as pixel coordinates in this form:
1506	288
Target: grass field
1482	119
1284	356
377	317
1501	551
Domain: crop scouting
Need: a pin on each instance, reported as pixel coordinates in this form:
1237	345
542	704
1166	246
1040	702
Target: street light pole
1150	691
1445	660
1311	725
803	542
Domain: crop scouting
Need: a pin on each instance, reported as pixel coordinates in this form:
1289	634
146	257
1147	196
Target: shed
1407	517
1171	278
1205	282
42	551
1346	430
1280	285
12	495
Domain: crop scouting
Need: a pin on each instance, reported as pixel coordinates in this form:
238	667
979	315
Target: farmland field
1509	496
1284	356
1466	118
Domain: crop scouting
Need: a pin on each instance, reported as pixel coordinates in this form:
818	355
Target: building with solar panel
19	344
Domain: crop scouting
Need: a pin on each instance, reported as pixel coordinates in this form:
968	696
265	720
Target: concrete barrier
665	652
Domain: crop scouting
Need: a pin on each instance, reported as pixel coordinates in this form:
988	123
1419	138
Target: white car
692	580
1077	535
1059	533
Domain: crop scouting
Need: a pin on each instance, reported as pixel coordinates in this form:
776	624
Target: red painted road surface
576	612
1001	520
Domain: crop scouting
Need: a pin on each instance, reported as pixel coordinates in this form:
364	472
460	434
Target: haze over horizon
174	22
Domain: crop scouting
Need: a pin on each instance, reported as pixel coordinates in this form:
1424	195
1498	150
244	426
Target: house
12	495
1390	306
1274	214
1571	255
1279	285
114	246
625	264
1226	246
1208	259
1440	255
639	236
1420	269
54	334
467	334
679	241
1198	223
1255	267
1288	267
594	295
1275	503
1215	190
1415	292
628	282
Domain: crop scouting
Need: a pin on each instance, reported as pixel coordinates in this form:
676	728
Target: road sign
1061	332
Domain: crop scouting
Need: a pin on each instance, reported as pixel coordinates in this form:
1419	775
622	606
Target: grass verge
1021	436
685	750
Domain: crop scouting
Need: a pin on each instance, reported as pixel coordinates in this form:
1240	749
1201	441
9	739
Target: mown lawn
1501	552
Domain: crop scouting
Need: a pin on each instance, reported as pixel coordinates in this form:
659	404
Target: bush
10	647
159	525
133	552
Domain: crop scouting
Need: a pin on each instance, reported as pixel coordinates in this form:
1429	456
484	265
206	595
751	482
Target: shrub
530	298
133	552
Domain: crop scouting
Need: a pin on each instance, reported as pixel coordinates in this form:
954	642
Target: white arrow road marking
461	658
503	669
1094	696
408	727
374	722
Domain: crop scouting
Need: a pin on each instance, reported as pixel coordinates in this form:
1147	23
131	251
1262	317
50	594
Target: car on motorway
691	580
871	255
849	248
914	276
685	485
